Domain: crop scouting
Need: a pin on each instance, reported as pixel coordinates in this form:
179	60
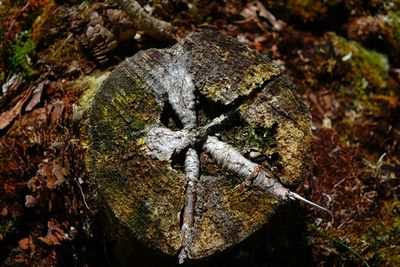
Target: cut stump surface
190	84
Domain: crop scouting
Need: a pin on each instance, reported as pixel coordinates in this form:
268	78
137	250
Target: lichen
89	85
255	76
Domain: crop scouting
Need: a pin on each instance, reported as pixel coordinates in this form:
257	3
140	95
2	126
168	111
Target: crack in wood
182	104
163	143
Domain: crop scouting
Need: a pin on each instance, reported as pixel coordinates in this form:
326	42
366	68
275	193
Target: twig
264	12
151	26
192	168
232	160
82	194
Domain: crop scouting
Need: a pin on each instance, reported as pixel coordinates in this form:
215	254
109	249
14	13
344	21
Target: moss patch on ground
368	71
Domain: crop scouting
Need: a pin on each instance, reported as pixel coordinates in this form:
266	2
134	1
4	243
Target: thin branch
192	168
232	160
181	92
151	26
278	25
163	142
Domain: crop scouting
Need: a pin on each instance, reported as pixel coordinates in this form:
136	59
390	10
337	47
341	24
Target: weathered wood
207	75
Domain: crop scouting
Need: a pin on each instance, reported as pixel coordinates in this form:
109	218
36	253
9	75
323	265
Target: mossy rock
142	196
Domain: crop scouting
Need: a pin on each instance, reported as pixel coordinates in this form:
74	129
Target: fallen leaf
4	211
55	235
7	117
56	111
58	171
30	201
33	184
254	11
44	168
9	188
24	243
392	101
11	84
53	172
37	96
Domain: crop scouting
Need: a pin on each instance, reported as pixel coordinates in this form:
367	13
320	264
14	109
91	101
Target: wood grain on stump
144	195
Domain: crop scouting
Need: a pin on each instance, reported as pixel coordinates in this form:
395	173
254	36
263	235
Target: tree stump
157	98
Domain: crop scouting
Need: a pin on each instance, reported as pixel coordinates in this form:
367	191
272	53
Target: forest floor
343	55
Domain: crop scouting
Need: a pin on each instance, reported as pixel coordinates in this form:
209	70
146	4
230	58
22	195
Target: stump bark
143	194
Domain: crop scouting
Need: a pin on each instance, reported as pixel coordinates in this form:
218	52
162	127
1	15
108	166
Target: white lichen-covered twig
181	92
232	160
143	21
163	142
192	169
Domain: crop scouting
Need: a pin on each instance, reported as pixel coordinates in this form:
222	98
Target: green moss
117	179
103	139
2	78
389	25
141	217
384	236
21	55
249	136
367	70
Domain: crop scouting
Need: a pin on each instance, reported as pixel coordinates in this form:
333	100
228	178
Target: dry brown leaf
37	96
7	117
58	171
255	10
53	171
51	182
56	111
55	235
30	201
392	101
24	243
9	188
46	240
4	211
44	169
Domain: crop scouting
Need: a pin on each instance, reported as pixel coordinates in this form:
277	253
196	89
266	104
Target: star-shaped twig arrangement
163	184
164	143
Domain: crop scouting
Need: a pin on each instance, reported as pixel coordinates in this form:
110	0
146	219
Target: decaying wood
164	176
153	27
99	39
